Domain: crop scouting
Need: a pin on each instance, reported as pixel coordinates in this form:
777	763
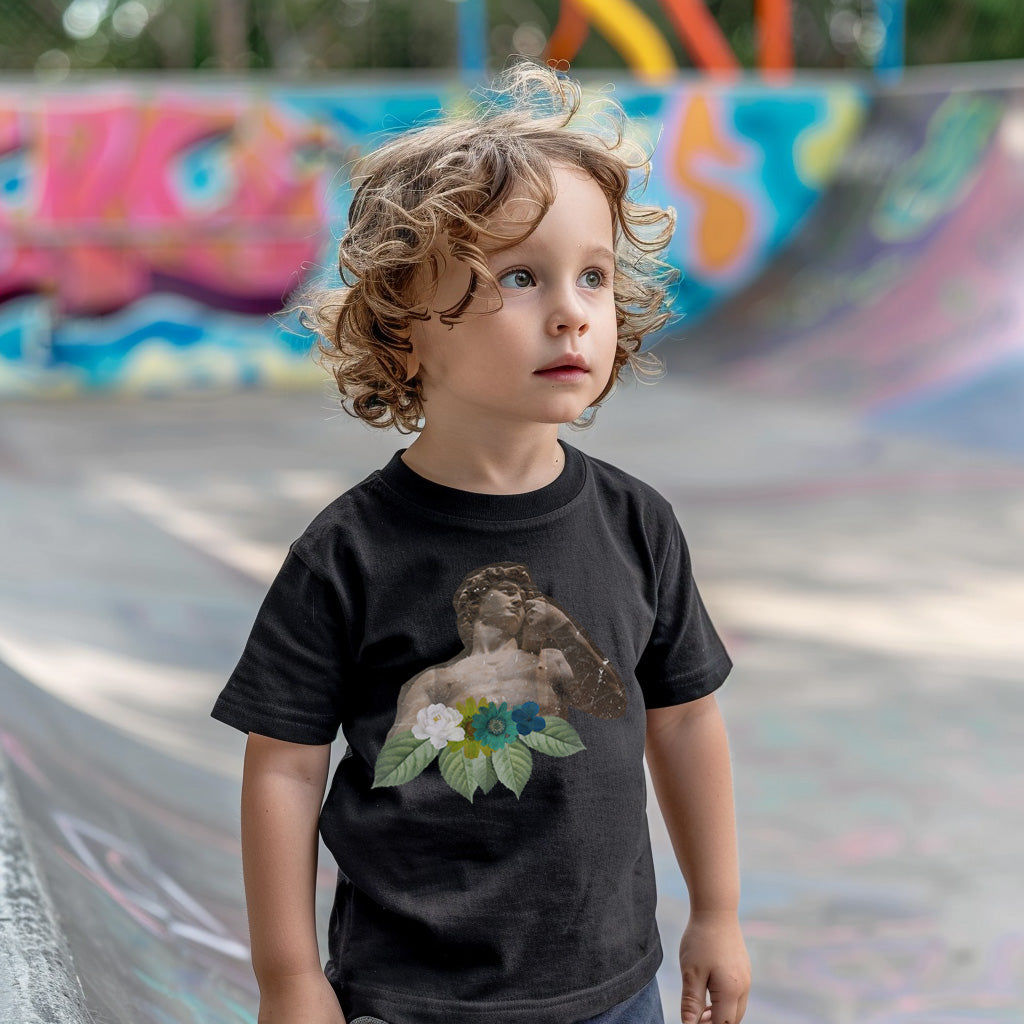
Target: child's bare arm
688	755
282	789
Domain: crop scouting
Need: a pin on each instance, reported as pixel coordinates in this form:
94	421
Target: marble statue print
505	697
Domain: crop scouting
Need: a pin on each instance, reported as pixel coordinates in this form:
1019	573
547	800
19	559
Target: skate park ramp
903	294
841	442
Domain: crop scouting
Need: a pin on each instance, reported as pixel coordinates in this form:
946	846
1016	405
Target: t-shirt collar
473	505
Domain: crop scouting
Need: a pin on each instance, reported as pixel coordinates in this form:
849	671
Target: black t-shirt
490	659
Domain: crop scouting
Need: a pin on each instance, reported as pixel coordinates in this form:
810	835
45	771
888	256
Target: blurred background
299	37
841	432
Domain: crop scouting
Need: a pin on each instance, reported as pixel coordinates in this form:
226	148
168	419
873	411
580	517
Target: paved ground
871	590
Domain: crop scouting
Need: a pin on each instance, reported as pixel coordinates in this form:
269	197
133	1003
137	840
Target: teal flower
493	726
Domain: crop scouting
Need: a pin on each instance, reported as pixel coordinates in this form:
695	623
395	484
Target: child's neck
487	465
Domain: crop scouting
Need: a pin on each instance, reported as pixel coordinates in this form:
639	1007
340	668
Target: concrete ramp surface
137	851
904	292
843	450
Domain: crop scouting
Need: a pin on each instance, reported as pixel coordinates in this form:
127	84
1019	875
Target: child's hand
300	999
715	964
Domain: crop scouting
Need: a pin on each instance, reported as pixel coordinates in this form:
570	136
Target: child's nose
568	314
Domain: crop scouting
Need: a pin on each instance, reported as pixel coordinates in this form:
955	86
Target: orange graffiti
775	34
701	35
723	226
695	26
570	33
8	130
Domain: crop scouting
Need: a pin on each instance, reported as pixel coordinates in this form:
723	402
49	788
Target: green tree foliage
299	37
940	31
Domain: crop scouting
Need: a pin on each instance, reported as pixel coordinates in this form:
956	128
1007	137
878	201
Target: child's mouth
563	373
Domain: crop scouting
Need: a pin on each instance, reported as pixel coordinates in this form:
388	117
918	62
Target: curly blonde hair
438	186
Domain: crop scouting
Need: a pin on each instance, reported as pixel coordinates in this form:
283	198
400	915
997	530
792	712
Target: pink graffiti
222	196
154	900
19	755
8	130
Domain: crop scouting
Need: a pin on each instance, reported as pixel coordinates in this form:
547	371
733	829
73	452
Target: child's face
546	353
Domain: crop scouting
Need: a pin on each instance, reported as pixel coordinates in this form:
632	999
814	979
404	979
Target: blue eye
518	278
592	278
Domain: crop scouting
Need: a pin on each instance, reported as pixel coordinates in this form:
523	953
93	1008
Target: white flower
439	724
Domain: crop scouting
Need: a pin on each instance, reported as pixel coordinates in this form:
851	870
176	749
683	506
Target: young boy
499	624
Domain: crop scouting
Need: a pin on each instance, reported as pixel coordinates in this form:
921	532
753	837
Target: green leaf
513	765
558	738
487	778
481	771
456	771
401	759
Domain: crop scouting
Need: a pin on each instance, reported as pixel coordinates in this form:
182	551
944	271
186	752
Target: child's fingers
729	1004
704	1018
694	994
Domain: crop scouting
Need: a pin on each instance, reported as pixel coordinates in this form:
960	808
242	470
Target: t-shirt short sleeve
684	658
287	682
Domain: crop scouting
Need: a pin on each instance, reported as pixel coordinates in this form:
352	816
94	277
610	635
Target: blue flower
493	726
526	718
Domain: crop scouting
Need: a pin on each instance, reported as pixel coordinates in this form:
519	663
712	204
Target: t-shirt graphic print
484	714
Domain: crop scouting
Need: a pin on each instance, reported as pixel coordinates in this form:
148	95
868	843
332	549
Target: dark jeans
643	1008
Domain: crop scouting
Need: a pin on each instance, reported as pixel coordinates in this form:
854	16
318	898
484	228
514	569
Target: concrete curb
38	984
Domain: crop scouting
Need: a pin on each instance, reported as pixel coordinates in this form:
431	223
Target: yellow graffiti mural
722	225
633	34
818	148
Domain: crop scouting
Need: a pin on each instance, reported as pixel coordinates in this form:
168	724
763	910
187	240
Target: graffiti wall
150	231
